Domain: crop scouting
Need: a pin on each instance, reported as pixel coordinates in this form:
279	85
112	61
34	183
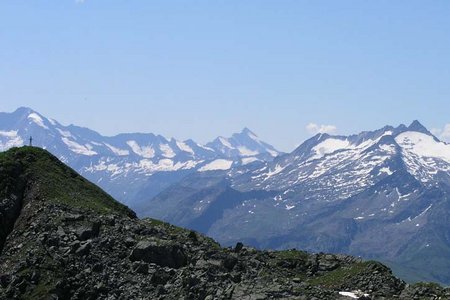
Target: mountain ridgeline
381	195
64	238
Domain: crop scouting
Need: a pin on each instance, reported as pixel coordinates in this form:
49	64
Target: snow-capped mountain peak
244	144
346	165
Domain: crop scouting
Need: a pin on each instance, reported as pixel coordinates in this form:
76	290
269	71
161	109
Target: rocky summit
61	237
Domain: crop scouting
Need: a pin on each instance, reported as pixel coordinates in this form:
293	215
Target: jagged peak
23	110
417	126
248	132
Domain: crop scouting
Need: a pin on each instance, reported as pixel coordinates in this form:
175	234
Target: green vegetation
175	230
55	181
339	276
169	228
427	285
291	255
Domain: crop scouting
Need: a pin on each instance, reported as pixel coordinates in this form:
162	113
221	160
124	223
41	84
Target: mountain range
382	194
132	164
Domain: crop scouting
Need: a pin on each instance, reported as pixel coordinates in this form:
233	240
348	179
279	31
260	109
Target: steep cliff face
64	238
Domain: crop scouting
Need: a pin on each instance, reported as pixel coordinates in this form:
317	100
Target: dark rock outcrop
161	252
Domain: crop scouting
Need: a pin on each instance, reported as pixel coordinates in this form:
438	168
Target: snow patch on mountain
289	207
354	295
390	149
9	139
244	151
64	133
164	165
9	134
248	160
328	146
37	120
146	167
273	153
184	147
278	169
386	170
225	142
103	165
117	151
167	151
205	147
218	164
79	149
145	151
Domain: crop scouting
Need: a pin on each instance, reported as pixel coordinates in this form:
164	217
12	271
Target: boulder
88	231
161	252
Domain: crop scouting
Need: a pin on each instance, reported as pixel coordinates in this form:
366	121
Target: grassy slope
56	182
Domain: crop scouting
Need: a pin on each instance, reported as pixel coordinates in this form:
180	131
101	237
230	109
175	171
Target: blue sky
198	69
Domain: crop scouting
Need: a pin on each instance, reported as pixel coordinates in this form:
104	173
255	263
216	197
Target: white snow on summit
37	120
423	145
423	155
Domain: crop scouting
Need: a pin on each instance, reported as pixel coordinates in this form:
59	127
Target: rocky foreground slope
61	237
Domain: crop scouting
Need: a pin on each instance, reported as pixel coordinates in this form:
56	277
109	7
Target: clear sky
198	69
